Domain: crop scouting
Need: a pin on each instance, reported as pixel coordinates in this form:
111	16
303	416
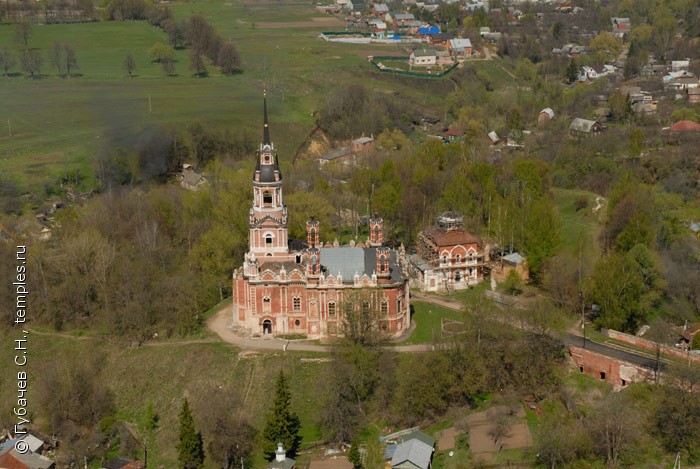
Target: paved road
221	324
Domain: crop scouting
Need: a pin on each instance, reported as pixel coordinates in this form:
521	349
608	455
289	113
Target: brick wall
650	345
610	370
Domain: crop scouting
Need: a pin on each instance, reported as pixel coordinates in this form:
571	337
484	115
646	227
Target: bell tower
267	218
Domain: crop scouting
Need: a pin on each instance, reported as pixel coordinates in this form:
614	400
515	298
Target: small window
296	303
297	323
331	310
266	304
348	307
268	240
298	258
267	198
384	307
602	375
458	276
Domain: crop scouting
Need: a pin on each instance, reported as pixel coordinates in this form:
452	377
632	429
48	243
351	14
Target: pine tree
572	71
190	450
282	424
354	456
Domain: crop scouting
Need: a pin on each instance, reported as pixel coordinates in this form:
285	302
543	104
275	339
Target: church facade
307	288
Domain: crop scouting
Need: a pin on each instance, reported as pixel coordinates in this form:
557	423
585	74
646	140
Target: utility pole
150	108
9	127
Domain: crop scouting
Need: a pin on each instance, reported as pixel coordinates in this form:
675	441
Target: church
303	287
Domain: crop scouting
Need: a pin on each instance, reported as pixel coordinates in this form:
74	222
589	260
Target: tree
354	456
129	65
572	71
541	235
605	47
616	287
168	67
71	61
31	61
228	60
23	31
190	449
620	107
56	57
635	142
7	61
282	425
675	417
197	64
160	52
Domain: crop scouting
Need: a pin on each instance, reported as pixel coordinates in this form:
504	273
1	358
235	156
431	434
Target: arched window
296	303
266	304
384	307
331	310
267	198
268	240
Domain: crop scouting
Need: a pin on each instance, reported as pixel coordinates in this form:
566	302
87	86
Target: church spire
266	127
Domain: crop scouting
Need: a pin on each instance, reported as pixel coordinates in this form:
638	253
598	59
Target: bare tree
23	31
197	64
129	65
71	61
168	67
57	58
31	61
228	60
7	61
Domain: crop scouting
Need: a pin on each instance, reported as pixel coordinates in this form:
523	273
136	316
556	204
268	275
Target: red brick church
288	287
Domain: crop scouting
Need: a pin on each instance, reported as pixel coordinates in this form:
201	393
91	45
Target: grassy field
58	124
582	225
165	374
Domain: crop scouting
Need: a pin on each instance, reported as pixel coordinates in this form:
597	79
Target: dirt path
221	324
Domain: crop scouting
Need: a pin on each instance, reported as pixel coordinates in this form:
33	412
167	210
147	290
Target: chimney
376	231
280	454
312	233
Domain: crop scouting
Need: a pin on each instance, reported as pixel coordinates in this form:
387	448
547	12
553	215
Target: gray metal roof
514	258
582	125
414	451
349	261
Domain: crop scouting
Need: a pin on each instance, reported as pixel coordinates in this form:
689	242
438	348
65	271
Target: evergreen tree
354	456
572	71
190	450
282	424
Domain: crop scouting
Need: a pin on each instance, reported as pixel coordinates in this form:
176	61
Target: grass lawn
582	225
428	318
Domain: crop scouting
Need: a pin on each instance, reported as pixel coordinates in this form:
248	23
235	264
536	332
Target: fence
375	60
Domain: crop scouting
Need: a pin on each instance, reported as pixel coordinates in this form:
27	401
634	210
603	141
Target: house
413	453
377	26
693	95
448	257
399	20
678	65
281	460
379	9
443	58
441	39
191	179
123	463
362	144
343	155
501	268
460	48
10	458
545	116
682	130
422	58
426	30
584	128
452	134
644	107
620	26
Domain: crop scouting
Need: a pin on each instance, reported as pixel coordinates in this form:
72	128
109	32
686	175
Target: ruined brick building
289	286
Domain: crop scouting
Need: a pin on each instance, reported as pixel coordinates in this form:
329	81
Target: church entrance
267	326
